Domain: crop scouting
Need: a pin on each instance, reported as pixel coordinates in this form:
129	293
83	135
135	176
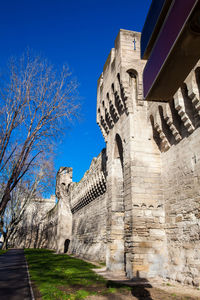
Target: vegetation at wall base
3	251
63	277
59	276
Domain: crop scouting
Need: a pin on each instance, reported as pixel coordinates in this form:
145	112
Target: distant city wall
37	229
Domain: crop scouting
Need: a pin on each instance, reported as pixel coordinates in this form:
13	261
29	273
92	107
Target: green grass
63	277
3	251
103	264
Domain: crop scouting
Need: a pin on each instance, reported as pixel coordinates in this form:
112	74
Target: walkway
14	284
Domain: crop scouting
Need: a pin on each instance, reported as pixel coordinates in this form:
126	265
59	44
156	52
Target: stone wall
153	170
182	206
88	205
49	229
137	207
176	132
89	231
36	227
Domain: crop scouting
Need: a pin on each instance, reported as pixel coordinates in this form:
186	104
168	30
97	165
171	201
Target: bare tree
28	189
35	100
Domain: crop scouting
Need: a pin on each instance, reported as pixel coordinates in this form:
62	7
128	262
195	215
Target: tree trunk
5	242
5	199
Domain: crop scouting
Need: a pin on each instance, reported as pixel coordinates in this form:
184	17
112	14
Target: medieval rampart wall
181	178
48	230
89	230
138	205
176	130
88	205
37	225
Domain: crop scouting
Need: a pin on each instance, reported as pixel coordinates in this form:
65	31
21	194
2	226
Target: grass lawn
3	251
59	276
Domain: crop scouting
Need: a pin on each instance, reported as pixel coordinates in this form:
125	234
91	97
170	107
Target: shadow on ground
138	287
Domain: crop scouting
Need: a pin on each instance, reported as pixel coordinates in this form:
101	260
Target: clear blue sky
81	34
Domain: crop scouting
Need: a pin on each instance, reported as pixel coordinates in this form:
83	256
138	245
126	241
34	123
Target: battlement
92	185
122	70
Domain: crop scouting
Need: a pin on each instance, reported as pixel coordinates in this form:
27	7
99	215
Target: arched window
133	83
132	76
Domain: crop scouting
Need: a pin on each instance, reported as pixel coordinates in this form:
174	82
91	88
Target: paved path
14	284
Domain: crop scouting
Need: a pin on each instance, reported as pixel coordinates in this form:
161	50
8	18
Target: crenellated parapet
91	186
172	121
111	105
120	85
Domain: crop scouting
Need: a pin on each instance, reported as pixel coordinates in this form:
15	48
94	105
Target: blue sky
81	34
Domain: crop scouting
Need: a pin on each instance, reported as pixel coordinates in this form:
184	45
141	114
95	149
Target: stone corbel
104	125
112	109
124	85
180	107
109	119
193	91
169	120
117	92
165	145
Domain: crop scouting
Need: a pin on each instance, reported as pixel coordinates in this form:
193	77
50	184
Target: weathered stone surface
38	226
88	200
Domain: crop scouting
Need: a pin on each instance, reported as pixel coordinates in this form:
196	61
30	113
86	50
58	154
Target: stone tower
134	181
64	226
